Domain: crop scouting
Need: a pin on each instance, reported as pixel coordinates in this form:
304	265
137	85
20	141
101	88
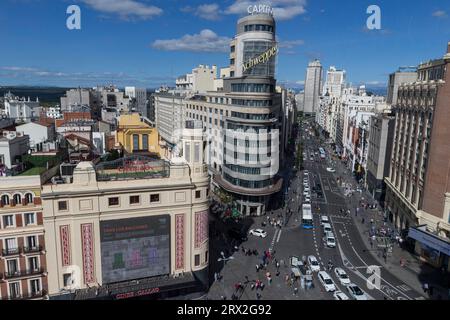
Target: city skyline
120	43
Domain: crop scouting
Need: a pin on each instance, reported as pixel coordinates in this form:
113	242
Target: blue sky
150	42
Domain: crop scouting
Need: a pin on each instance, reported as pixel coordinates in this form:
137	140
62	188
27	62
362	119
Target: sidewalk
415	273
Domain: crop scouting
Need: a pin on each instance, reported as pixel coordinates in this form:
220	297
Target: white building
200	80
39	134
335	81
21	109
13	145
313	84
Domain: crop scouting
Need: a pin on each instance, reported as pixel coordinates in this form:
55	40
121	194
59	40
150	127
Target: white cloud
289	44
440	14
208	11
125	9
300	82
205	41
282	9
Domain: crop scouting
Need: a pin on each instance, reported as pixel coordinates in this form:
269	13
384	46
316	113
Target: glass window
5	200
33	263
17	198
14	290
198	194
114	201
197	260
29	198
145	142
154	197
35	286
12	266
134	199
135	142
8	221
30	218
62	205
31	242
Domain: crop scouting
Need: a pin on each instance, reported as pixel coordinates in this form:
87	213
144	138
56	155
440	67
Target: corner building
242	119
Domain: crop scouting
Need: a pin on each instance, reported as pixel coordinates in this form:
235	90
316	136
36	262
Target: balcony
21	273
32	249
11	252
31	295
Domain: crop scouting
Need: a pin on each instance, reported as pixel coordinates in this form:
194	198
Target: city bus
322	153
307	218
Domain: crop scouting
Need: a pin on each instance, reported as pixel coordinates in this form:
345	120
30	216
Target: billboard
135	248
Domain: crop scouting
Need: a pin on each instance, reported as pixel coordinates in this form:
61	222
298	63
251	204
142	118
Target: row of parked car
327	282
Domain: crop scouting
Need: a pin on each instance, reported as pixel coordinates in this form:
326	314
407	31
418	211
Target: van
323	220
326	281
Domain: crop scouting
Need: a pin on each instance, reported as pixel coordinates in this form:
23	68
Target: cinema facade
135	227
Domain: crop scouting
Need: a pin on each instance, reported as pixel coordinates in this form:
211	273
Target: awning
427	238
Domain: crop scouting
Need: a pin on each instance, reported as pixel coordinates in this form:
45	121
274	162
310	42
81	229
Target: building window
31	242
114	201
5	200
197	260
206	257
154	197
135	142
198	194
30	218
67	279
33	263
134	199
12	266
17	198
14	290
62	205
8	221
145	142
35	286
11	245
29	198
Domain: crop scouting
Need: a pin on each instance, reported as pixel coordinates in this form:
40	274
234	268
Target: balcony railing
22	273
11	251
20	250
32	249
31	295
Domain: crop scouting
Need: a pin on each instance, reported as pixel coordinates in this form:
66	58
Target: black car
237	234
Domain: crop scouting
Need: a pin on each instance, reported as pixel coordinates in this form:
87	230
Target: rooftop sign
260	9
262	58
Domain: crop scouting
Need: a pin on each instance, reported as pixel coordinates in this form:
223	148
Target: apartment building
23	264
418	195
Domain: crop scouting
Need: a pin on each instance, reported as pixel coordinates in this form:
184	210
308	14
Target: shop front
431	248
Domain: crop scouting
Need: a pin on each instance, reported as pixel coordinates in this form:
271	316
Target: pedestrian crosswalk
404	288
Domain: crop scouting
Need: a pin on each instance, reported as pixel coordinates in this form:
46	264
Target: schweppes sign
262	58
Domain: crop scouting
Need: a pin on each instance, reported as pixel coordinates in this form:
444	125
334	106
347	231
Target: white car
258	232
339	295
326	281
305	173
326	228
330	169
330	240
342	276
313	264
323	220
355	292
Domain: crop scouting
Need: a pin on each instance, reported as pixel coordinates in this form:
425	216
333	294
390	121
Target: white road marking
279	235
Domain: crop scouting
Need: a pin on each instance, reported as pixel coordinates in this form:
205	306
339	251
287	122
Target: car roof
324	217
312	257
339	270
324	274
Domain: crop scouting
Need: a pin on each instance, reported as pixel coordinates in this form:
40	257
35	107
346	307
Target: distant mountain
45	94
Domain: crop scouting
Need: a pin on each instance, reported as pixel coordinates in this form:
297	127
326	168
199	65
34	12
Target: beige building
131	219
